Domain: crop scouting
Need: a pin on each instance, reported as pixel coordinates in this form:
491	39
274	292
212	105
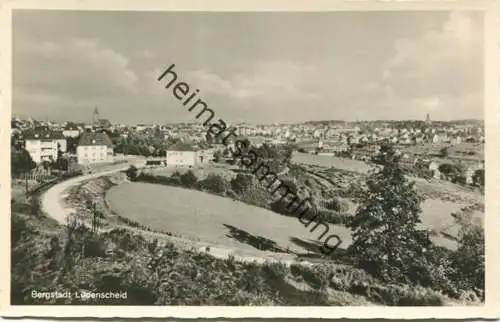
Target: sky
259	67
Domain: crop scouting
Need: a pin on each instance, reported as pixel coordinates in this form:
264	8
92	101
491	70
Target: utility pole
26	183
92	207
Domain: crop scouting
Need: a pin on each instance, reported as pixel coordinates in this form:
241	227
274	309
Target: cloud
147	53
76	68
443	61
270	81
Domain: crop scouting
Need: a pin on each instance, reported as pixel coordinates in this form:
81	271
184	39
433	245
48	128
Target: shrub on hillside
478	178
188	179
469	259
241	183
333	217
256	195
214	183
18	228
131	173
283	207
176	177
453	172
336	204
156	274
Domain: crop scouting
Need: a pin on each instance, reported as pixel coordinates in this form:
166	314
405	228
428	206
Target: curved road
52	201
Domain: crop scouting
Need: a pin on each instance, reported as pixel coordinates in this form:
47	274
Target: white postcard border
491	309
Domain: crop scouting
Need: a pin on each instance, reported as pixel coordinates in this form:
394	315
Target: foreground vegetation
393	262
48	257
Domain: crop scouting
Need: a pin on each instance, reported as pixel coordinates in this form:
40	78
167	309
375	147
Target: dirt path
53	199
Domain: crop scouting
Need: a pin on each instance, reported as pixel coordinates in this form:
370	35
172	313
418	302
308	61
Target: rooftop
42	134
95	138
180	146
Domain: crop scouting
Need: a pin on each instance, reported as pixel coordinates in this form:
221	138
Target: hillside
48	256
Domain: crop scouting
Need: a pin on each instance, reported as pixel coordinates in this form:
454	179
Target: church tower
95	116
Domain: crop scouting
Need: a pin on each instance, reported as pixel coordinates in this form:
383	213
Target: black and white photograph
247	158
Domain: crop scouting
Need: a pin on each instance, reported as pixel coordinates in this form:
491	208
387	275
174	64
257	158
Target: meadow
464	151
205	217
442	198
331	161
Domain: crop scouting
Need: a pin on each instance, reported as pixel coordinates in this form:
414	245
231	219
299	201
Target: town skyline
251	70
89	121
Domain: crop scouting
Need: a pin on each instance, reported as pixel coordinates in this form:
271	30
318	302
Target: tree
214	183
176	177
478	177
62	164
386	240
47	165
131	173
469	258
217	156
96	214
241	183
443	153
72	144
452	172
336	205
188	179
421	169
21	163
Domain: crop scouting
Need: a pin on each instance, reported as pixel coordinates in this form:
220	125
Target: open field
331	161
201	216
442	197
472	152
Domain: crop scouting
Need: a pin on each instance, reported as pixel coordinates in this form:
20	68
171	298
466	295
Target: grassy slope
43	259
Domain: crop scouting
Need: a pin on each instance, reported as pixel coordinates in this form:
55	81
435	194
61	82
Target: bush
336	205
188	179
131	173
241	183
332	217
443	153
214	183
282	207
478	177
469	259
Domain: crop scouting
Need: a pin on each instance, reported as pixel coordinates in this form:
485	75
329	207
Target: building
94	147
206	156
333	149
471	170
71	131
183	155
434	168
44	145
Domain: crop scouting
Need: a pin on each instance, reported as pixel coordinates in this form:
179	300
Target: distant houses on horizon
90	143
